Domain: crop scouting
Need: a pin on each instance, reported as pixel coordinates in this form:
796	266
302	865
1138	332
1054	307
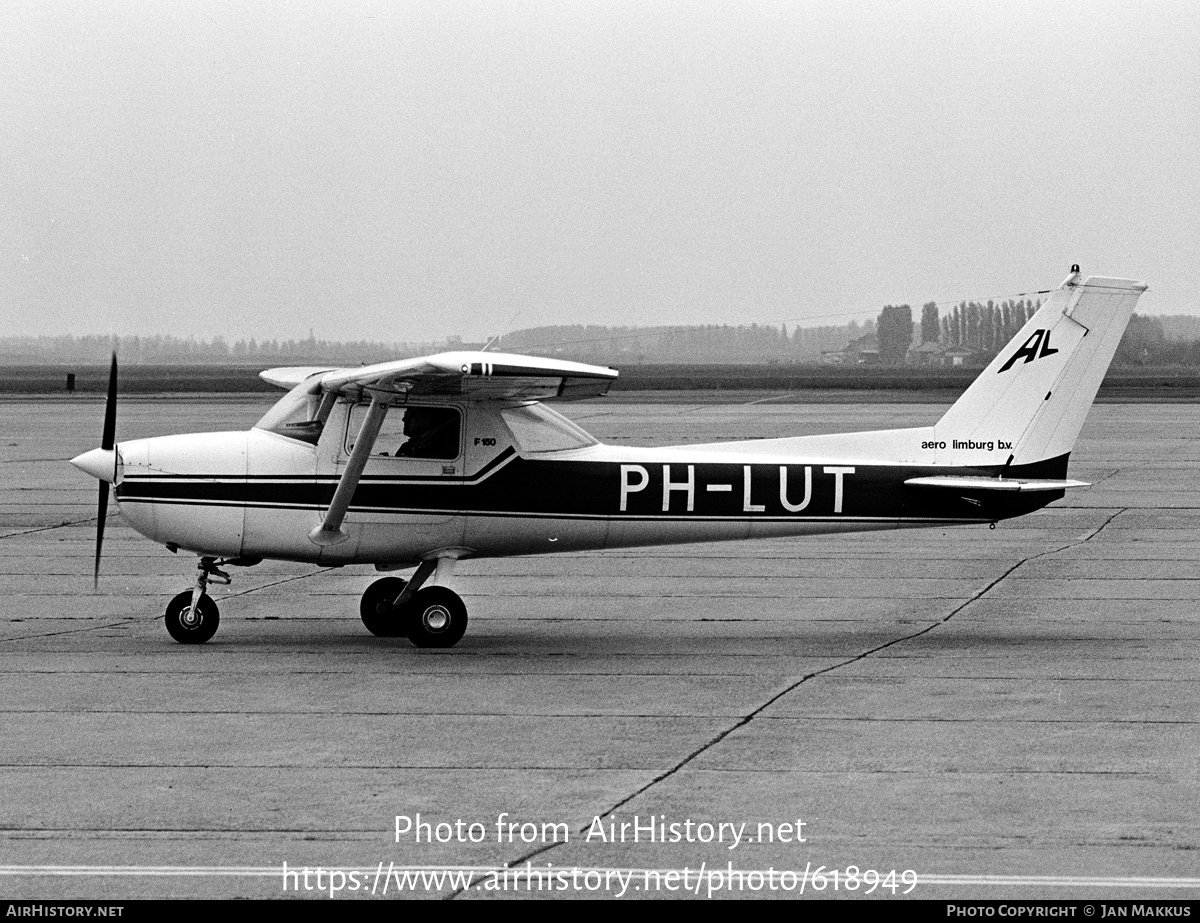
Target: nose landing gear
192	617
191	622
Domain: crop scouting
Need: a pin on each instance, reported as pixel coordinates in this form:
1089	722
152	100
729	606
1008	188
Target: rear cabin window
411	432
537	428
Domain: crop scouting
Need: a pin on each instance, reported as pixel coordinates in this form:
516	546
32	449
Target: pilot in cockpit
432	433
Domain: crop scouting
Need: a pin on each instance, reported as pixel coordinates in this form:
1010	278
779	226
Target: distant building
958	357
863	351
928	355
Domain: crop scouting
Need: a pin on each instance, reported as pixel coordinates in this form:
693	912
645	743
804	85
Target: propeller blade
106	443
110	408
102	506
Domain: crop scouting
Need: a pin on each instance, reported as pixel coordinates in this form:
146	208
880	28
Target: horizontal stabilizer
1022	485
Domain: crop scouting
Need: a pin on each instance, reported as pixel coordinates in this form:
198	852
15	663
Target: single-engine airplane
421	463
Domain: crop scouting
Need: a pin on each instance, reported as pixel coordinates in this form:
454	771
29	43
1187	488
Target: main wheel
379	596
436	617
188	627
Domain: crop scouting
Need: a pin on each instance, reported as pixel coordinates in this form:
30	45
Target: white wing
473	375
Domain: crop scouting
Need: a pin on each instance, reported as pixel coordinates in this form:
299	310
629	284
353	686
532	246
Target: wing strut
328	399
329	532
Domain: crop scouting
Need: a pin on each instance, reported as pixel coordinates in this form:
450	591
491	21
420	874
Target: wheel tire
383	624
436	617
187	630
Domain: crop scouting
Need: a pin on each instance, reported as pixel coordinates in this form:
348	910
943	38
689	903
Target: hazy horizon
418	171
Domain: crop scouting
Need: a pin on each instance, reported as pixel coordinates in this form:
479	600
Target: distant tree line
987	326
719	343
1169	340
1146	343
979	327
164	350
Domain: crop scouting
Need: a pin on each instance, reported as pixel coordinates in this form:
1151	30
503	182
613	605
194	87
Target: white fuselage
260	494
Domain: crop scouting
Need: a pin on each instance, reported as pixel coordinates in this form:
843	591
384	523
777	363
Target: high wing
470	375
292	375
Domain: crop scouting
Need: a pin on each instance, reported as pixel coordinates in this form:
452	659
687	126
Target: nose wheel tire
380	595
188	627
436	617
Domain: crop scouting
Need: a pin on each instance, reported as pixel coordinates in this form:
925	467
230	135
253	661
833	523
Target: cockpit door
409	493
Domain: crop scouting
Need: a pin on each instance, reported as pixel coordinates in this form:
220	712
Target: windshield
537	428
293	416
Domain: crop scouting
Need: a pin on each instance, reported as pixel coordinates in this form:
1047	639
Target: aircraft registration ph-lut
422	463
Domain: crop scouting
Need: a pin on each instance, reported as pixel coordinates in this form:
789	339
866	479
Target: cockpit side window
412	432
294	416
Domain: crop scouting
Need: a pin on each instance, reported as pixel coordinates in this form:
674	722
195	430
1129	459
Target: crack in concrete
61	525
750	716
122	620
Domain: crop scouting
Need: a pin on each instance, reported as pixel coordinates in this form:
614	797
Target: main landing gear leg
192	617
429	616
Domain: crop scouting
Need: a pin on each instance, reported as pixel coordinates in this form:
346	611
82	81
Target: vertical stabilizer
1030	403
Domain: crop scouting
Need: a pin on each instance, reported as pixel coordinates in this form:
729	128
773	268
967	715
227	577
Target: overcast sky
412	170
